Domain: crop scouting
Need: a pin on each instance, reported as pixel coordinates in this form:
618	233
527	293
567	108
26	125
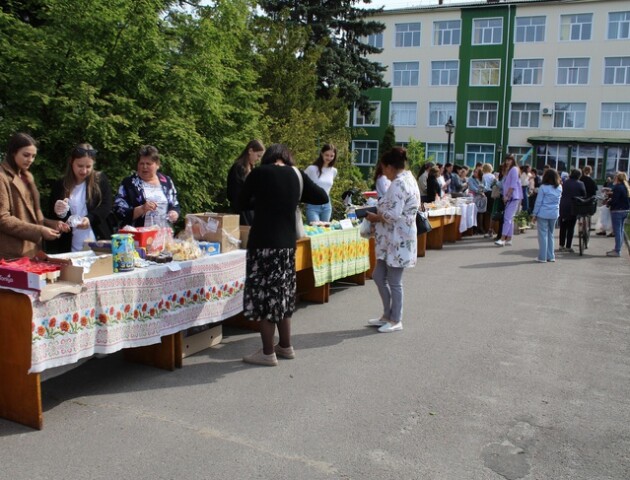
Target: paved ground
506	368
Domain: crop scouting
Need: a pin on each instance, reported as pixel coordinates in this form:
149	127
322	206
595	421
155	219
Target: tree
389	140
415	155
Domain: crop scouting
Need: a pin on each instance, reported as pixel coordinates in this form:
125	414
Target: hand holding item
50	233
62	207
172	216
63	227
83	223
149	207
373	217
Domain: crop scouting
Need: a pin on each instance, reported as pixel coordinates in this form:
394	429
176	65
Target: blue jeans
546	228
525	201
618	218
321	213
388	280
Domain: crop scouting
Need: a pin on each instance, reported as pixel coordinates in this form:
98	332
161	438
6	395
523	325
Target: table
146	308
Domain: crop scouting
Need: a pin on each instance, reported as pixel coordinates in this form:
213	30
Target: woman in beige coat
22	223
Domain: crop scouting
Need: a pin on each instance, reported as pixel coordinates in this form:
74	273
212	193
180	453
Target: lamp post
499	152
449	128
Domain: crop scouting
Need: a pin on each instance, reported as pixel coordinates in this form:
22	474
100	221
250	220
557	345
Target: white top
325	180
78	207
382	184
154	193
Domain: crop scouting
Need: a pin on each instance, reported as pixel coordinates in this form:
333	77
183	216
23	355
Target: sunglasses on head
81	152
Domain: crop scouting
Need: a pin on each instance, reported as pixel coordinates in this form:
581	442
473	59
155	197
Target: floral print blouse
396	237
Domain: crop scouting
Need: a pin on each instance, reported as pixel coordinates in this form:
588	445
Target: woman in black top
270	284
236	178
434	192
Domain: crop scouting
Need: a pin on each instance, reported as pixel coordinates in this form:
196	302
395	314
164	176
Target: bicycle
583	208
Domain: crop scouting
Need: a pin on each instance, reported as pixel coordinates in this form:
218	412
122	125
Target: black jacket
570	188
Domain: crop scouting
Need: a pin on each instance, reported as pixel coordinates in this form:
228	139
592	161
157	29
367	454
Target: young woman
22	223
476	189
239	170
512	195
619	206
84	195
434	190
323	174
546	212
381	181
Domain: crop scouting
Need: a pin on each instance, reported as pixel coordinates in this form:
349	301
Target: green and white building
547	80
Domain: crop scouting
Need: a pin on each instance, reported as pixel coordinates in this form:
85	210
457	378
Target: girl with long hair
512	196
619	206
240	169
323	174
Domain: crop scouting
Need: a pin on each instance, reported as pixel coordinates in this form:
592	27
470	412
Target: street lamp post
449	128
499	152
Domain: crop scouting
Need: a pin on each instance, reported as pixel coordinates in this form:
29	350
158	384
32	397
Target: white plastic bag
365	229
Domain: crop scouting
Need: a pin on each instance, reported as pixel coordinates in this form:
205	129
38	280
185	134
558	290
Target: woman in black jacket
572	187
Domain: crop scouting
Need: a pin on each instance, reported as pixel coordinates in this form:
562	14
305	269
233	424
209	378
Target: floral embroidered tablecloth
135	308
338	254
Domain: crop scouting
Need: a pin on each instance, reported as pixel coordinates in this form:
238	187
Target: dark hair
378	171
92	188
320	160
575	174
149	151
16	142
551	177
277	151
425	166
255	145
525	168
396	157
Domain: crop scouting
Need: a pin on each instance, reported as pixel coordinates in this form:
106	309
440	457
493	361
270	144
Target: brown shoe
259	358
285	352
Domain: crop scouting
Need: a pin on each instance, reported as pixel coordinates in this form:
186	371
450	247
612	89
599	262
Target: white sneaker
390	327
508	243
500	243
377	322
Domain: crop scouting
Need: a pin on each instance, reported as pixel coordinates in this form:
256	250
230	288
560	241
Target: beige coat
21	218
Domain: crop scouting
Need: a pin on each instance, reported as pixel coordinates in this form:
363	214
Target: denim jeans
525	201
388	280
321	213
546	227
618	218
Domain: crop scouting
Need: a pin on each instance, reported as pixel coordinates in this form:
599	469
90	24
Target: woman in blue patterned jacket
147	196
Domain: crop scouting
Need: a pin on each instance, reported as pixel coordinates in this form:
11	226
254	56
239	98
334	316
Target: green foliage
389	140
415	155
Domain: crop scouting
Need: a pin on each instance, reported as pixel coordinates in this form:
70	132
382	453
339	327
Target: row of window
613	116
489	31
487	72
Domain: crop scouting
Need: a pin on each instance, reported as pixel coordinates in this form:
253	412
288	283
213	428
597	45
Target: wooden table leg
451	230
307	290
160	355
20	392
435	238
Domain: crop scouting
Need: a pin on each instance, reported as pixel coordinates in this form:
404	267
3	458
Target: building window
439	113
527	72
479	153
487	31
444	72
615	116
485	72
436	153
483	114
587	154
365	152
554	155
569	115
375	40
617	160
407	35
403	114
447	32
617	71
406	74
530	29
372	119
573	71
522	154
576	27
525	115
619	26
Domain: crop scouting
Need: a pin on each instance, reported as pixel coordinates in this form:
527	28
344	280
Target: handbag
422	223
299	223
496	192
481	202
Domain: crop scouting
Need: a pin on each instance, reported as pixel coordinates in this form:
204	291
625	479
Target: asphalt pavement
506	369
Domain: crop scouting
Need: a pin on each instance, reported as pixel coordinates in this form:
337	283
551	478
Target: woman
270	283
237	174
459	182
381	181
476	189
434	190
85	195
525	177
571	187
545	214
22	223
488	181
396	238
147	196
423	175
323	174
512	195
619	206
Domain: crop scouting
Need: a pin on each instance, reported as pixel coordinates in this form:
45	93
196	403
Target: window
617	160
525	115
483	114
576	27
587	154
479	153
447	32
485	72
406	74
527	72
554	155
615	116
569	115
408	34
617	71
373	119
436	153
375	40
619	26
487	31
573	71
439	113
522	154
529	29
365	152
403	114
444	72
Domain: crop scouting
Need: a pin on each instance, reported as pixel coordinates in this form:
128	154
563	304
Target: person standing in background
524	177
512	195
545	214
619	206
422	181
381	182
323	174
237	174
571	187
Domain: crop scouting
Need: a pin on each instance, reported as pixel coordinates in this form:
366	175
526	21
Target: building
547	80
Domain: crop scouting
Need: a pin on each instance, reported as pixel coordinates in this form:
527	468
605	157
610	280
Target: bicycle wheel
587	231
581	236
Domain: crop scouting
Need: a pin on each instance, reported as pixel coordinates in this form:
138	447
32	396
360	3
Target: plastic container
123	251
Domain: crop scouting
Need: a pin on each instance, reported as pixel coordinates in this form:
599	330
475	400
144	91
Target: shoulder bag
299	223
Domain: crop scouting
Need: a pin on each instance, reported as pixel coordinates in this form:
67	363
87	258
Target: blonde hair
623	178
487	168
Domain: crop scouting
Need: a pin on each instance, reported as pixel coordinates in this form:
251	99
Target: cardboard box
197	342
244	235
94	265
216	227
